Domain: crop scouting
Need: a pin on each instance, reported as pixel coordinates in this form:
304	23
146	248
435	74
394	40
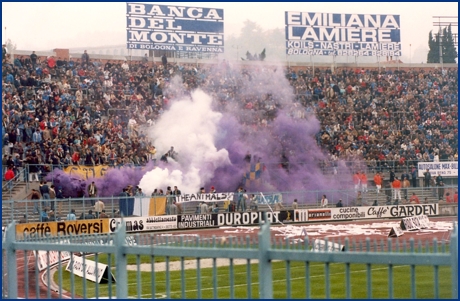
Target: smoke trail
253	110
190	126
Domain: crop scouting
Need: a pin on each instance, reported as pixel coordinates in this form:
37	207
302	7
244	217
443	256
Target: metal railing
13	210
9	186
300	259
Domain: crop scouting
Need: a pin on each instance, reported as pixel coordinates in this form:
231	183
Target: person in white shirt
204	208
324	201
131	126
71	216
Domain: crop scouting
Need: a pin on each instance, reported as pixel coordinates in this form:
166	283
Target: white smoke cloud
190	126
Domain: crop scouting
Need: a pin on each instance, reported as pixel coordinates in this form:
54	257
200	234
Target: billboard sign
339	34
445	168
174	28
365	212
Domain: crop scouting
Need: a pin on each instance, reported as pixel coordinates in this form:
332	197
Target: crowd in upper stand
85	111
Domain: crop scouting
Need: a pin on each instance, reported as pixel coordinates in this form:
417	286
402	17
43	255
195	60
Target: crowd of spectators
84	111
389	118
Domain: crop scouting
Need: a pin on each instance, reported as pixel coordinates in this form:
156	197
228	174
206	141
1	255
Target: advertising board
174	28
89	269
44	260
365	212
341	34
445	168
145	223
191	221
62	228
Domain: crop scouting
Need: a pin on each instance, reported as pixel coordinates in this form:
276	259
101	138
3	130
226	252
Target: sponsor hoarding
63	228
445	169
88	269
319	214
145	223
174	28
365	212
53	257
340	34
412	223
190	221
328	246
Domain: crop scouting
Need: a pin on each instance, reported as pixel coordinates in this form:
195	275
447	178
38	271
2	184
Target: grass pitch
233	283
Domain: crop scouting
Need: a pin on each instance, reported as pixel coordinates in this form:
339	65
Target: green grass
424	280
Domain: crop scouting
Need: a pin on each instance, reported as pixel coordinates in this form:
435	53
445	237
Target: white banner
445	169
414	222
145	223
88	269
42	258
205	197
320	245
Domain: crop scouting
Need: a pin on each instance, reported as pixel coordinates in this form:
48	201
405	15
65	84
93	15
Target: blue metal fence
260	282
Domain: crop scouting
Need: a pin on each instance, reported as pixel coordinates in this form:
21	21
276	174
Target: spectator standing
131	200
59	197
396	189
295	205
427	178
92	192
34	196
241	202
324	201
278	206
179	207
52	197
203	208
45	192
405	185
9	176
85	58
98	207
414	176
253	203
33	59
339	204
392	176
33	168
440	187
123	203
164	60
176	191
378	182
